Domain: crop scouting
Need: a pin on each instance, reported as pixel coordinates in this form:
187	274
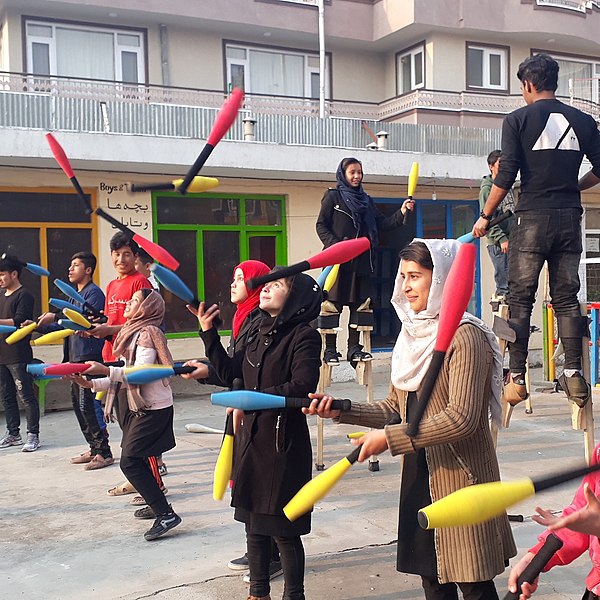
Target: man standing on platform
546	140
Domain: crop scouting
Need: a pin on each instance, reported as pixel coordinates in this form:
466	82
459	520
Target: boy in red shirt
123	251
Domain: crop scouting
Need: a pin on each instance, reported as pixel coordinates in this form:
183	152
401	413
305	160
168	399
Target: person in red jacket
578	527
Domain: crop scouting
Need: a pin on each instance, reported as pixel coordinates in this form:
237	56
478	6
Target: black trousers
138	472
292	558
479	590
90	417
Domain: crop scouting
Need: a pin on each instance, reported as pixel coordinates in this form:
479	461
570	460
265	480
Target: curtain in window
276	74
85	54
574	70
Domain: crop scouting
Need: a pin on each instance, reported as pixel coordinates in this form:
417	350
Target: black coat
273	454
335	224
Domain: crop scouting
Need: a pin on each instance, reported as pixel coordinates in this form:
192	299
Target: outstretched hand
585	520
206	316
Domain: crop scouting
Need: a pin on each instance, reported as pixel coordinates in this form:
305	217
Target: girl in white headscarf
454	447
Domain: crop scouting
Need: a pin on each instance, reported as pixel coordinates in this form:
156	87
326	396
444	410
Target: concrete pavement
64	538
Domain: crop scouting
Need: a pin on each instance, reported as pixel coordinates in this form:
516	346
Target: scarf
415	343
360	205
141	329
250	269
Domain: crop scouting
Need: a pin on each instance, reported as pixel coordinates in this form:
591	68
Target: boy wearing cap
16	306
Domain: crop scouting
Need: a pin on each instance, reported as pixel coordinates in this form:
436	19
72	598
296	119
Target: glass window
434	221
210	235
221	254
189	210
272	72
52	208
62	244
263	212
181	244
410	70
88	52
487	67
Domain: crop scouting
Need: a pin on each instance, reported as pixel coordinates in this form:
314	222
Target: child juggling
145	413
273	456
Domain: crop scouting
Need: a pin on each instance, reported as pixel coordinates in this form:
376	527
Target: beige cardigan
460	452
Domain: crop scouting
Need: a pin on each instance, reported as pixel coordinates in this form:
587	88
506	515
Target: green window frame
249	238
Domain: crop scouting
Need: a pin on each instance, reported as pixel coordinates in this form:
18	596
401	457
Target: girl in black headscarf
273	455
348	212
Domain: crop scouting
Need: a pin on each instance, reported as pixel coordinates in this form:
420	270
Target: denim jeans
90	417
500	262
16	381
552	235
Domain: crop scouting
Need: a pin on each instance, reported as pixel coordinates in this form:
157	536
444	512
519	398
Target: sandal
121	489
139	500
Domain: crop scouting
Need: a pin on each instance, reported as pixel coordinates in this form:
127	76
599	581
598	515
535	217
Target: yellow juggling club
331	277
52	338
479	503
224	464
100	395
317	488
77	317
413	178
21	333
356	434
197	185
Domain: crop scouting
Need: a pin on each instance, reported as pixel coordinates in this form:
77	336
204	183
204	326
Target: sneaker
515	390
162	524
275	570
578	390
162	470
32	443
332	357
11	440
239	564
144	513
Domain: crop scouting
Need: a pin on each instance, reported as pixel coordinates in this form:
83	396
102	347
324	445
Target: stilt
583	418
324	382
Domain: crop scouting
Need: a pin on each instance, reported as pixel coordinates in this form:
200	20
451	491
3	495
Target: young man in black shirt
16	306
546	140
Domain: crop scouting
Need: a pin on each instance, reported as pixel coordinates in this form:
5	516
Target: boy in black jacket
16	306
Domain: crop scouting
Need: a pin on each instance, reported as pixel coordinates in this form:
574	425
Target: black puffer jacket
273	455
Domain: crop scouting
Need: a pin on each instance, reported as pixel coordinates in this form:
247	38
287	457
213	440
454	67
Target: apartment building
131	89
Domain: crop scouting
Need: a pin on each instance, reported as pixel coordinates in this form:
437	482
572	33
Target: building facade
131	89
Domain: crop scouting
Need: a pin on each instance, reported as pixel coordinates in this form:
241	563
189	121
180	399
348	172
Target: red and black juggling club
455	299
221	126
341	252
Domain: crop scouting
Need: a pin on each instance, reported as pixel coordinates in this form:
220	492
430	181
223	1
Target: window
410	66
211	234
70	50
260	70
45	228
487	67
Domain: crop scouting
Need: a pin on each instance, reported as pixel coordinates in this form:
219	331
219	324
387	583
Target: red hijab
250	269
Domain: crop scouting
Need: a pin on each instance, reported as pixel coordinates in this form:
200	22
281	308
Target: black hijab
358	202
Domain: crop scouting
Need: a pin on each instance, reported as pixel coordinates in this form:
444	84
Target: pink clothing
575	544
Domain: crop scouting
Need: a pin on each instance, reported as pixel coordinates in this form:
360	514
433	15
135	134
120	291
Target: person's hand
96	368
200	370
544	517
585	520
80	380
206	316
100	331
372	444
25	323
109	417
46	319
238	417
321	405
504	247
480	227
527	589
407	205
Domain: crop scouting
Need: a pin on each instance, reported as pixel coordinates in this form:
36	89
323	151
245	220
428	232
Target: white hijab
414	346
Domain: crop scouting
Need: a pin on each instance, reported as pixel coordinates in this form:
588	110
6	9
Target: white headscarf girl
414	346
